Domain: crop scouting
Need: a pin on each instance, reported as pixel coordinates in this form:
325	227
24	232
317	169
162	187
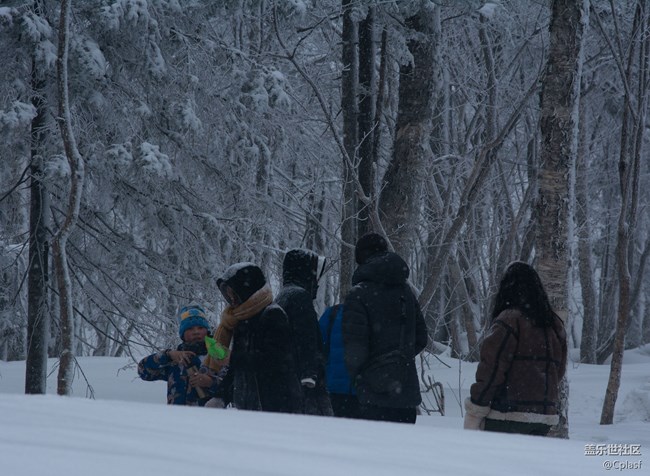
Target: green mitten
215	349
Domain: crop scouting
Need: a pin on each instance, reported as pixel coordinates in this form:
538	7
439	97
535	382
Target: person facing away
383	331
188	381
343	396
261	373
301	270
522	360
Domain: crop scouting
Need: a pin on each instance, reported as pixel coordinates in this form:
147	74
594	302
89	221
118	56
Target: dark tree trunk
349	86
401	192
38	324
366	118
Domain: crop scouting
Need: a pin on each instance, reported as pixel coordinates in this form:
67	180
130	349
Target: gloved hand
473	422
308	382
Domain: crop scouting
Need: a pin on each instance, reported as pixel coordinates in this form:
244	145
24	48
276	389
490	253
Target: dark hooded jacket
377	307
299	287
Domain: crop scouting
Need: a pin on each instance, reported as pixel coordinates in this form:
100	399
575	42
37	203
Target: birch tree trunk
559	128
631	145
67	328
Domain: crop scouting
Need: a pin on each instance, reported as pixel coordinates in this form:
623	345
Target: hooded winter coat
299	286
520	370
379	304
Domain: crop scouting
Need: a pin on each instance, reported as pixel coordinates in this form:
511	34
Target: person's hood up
302	268
384	268
245	279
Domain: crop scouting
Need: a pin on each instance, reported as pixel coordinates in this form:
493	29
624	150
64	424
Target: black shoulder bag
387	373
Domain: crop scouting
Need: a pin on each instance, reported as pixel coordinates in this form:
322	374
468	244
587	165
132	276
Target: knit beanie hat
191	316
368	245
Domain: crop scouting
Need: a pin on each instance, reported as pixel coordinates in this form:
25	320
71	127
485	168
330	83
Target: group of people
358	359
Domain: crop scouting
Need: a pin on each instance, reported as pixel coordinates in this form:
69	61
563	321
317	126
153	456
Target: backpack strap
402	322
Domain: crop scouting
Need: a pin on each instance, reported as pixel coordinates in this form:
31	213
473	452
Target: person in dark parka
381	315
261	372
523	360
301	270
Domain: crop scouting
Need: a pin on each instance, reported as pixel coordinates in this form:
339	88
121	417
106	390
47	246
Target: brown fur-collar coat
520	370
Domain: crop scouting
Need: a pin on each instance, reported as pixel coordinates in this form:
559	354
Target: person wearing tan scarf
261	372
230	316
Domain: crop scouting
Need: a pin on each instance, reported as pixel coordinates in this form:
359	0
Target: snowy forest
149	144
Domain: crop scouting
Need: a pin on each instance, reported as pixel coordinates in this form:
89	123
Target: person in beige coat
522	360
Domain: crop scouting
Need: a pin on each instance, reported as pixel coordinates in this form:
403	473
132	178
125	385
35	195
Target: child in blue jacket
188	381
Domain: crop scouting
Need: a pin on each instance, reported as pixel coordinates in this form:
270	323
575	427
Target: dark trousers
316	401
536	429
397	415
345	405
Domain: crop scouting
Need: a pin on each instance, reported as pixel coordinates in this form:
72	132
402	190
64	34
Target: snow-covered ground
128	430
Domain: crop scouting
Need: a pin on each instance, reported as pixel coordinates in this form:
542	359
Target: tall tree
367	127
38	328
76	164
559	132
585	267
400	197
38	316
632	131
350	110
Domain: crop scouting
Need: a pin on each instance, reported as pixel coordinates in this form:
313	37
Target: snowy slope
128	430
